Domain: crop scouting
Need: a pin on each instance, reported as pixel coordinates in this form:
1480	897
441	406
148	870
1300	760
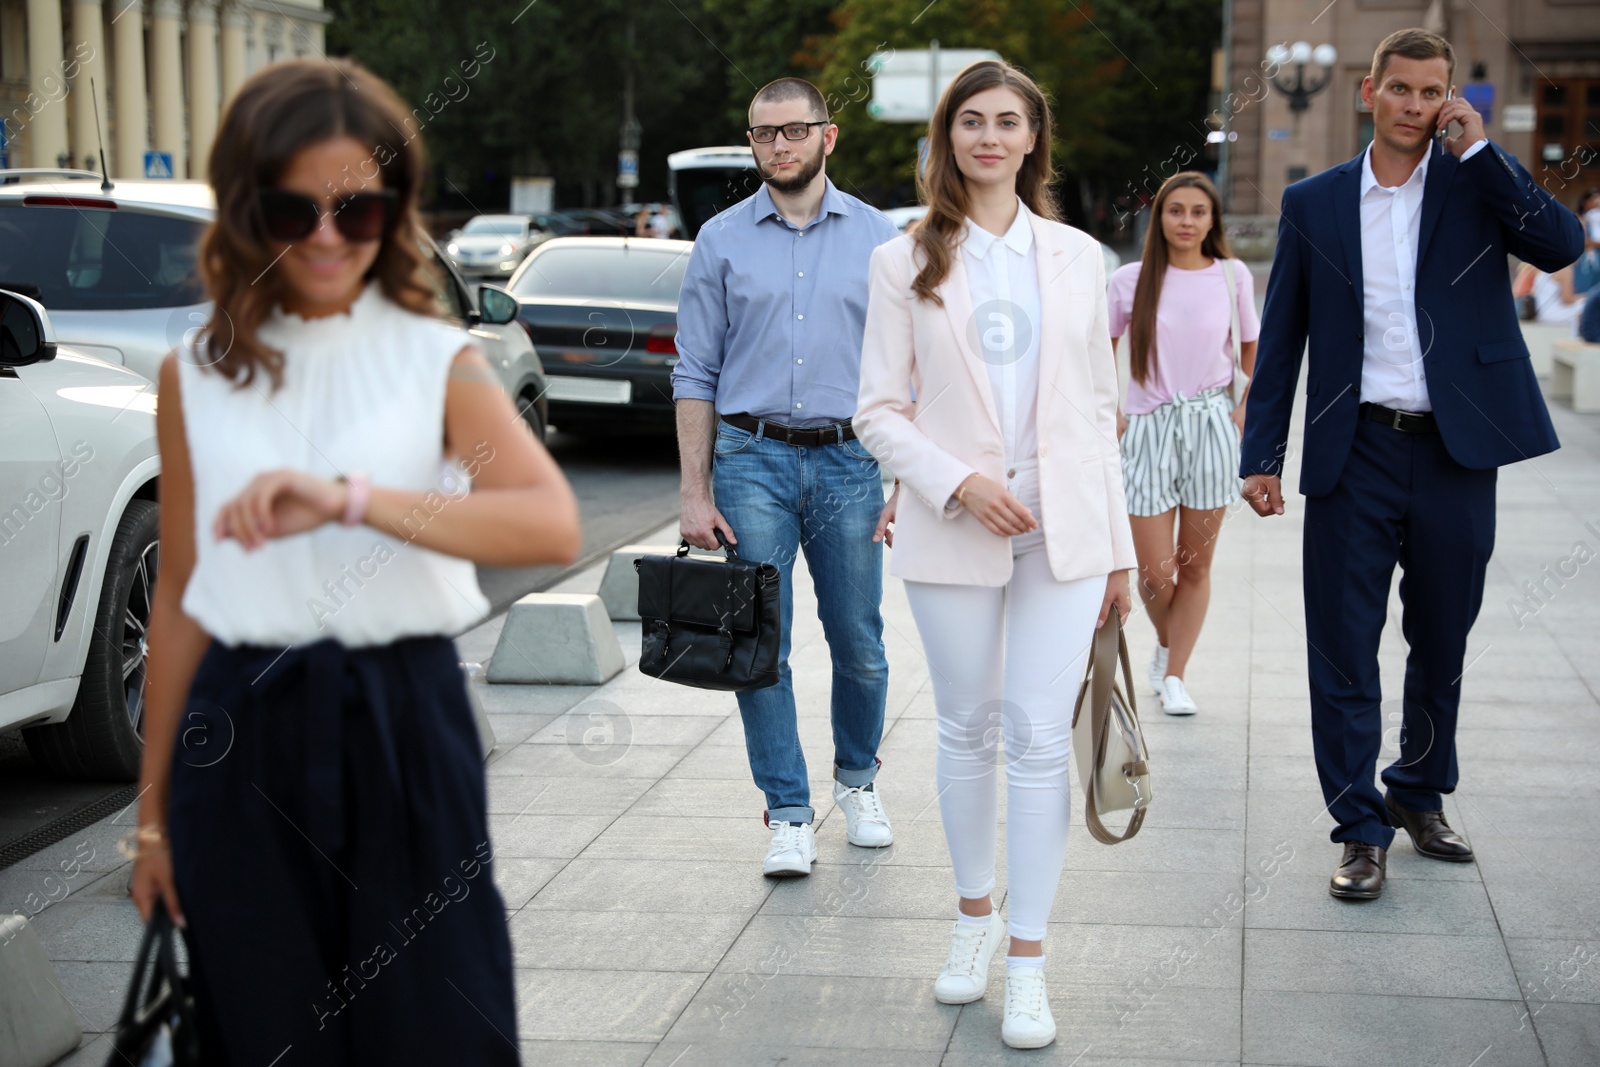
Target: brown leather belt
1404	421
799	436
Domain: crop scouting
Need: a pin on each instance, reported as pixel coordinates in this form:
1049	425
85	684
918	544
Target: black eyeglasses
290	216
792	131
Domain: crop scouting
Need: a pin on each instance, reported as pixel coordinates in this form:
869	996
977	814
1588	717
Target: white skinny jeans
1011	656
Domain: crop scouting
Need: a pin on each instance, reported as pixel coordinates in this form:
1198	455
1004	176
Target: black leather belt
799	436
1404	421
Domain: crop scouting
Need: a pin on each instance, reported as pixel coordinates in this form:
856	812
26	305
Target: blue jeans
823	501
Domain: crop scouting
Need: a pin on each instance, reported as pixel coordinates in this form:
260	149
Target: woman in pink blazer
1014	541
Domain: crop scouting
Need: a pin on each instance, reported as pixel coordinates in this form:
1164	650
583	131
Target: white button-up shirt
1392	371
1003	280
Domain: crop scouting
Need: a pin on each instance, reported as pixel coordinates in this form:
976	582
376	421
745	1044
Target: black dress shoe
1431	836
1360	873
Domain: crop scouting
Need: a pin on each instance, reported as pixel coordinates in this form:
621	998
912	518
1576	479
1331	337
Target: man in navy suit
1418	387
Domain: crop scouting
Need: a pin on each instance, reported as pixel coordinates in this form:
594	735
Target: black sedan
603	314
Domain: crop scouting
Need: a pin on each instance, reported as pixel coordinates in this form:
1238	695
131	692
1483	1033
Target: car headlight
506	250
452	248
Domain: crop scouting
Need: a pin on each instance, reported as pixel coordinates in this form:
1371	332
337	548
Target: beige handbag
1241	380
1113	763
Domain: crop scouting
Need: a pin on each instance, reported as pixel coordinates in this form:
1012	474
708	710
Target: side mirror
26	336
496	306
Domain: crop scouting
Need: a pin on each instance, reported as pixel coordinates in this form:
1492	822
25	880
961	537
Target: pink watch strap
358	493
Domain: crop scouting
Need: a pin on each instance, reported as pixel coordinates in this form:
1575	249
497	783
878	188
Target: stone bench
556	639
1575	374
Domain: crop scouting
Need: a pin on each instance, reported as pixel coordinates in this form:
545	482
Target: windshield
702	192
509	227
615	273
90	259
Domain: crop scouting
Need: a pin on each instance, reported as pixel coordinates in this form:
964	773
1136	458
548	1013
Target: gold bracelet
131	844
960	498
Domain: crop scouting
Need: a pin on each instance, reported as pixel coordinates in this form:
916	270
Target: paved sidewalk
629	841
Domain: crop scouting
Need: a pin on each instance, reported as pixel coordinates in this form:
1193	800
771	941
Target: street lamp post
1301	90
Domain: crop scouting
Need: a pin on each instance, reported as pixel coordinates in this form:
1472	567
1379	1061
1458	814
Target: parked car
603	312
708	181
78	548
493	245
117	271
903	217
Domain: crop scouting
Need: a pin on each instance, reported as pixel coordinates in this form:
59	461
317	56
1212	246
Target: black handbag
709	623
157	1027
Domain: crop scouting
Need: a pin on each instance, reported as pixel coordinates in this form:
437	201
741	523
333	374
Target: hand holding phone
1465	119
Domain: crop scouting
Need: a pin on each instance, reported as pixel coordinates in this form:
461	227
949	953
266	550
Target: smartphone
1443	130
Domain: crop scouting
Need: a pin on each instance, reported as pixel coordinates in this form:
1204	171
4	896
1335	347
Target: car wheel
103	737
533	415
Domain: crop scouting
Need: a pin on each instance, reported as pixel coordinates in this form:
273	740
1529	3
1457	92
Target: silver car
492	246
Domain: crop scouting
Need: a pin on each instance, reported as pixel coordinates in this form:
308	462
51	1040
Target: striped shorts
1184	452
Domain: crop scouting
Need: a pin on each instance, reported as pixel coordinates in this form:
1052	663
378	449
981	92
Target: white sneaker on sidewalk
794	849
864	819
1175	699
1158	667
1028	1022
965	974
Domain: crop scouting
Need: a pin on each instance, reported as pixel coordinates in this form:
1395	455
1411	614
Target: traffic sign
627	169
158	165
906	84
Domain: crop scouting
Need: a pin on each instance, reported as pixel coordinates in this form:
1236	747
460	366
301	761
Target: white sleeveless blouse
362	391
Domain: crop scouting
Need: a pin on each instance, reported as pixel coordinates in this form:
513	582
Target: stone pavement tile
512	730
918	843
1570	1033
94	848
649	838
872	888
90	932
1277	737
1189	1024
558	836
719	763
1531	908
94	1052
519	878
1357	1030
1149	957
846	946
693	886
641	729
811	1011
665	698
608	1006
676	798
586	1053
1508	859
1170	777
1145	898
532	701
719	1053
1299	900
1532	777
622	940
1194	808
1573	717
1158	848
1574	818
1280	821
95	991
558	761
1412	965
30	891
519	793
1557	969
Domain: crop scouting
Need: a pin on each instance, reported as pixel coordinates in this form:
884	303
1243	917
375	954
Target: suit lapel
1347	217
1050	262
1440	169
958	309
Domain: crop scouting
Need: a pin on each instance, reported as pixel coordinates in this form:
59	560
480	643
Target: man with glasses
770	320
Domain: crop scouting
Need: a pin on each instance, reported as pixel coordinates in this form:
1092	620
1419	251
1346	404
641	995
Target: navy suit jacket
1480	382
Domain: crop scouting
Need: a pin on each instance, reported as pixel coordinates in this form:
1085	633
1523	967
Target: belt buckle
1395	422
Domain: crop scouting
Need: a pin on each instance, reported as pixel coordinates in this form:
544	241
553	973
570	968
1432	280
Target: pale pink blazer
952	430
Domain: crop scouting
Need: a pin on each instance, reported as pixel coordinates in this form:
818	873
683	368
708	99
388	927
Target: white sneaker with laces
1175	699
864	819
794	849
1028	1022
1158	668
965	974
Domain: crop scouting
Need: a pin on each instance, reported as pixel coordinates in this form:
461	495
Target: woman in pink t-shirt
1180	434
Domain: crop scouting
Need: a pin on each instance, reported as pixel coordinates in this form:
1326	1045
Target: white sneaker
864	819
1158	667
1175	699
1028	1022
794	849
965	974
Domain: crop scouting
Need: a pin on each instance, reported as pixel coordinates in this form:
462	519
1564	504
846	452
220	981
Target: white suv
78	548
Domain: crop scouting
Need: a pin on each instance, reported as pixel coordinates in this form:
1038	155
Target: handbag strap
1110	644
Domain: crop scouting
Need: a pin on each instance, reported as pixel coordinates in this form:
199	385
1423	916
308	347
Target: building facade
1533	65
160	71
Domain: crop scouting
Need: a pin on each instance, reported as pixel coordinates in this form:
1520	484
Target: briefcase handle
684	546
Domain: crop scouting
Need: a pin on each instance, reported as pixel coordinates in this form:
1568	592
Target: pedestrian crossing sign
158	165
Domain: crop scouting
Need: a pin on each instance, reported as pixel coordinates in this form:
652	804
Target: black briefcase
709	623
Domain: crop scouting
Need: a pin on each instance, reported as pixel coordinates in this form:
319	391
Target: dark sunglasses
290	216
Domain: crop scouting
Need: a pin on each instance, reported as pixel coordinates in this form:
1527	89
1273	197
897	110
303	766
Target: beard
808	169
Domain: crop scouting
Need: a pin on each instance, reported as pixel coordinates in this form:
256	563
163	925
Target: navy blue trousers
1400	500
331	849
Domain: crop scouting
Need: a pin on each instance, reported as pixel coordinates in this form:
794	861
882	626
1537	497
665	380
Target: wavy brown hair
942	186
1153	269
276	113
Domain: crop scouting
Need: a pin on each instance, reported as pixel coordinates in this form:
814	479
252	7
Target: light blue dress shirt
770	316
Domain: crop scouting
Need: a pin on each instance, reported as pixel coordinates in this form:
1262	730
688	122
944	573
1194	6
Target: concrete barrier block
556	639
1575	374
619	589
1541	338
37	1024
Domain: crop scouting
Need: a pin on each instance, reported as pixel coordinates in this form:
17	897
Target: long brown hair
275	114
1153	269
942	186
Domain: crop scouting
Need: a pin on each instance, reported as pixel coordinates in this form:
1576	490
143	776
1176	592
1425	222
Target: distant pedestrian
1418	388
1180	436
989	384
769	355
312	805
660	223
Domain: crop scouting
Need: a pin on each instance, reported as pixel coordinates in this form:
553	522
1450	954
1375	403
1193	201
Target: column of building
131	130
88	55
47	128
202	83
166	83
